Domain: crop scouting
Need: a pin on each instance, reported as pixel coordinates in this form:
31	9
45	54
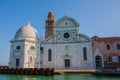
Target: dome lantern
28	24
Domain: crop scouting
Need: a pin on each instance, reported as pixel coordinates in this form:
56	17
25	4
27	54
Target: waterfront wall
27	71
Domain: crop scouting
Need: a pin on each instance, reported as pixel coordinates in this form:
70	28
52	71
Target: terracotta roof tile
107	39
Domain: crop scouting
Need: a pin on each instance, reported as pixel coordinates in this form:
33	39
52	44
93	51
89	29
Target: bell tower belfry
50	23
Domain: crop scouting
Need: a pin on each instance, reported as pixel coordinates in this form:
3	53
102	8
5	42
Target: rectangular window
17	62
110	59
118	58
84	53
118	46
41	49
108	47
49	55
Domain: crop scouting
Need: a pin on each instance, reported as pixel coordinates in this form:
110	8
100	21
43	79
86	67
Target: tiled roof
107	39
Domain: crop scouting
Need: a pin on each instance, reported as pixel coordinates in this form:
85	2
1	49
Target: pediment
66	22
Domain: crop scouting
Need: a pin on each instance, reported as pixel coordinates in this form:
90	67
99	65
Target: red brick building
106	52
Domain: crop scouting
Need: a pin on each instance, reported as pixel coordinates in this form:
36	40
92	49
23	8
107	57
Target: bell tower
50	23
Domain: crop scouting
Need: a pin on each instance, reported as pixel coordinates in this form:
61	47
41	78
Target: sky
96	17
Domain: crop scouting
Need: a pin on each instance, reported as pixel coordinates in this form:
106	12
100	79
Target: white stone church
63	47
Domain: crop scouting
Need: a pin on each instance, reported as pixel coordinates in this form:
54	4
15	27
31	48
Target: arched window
84	53
49	55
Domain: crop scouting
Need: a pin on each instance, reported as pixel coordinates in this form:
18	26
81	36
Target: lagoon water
58	77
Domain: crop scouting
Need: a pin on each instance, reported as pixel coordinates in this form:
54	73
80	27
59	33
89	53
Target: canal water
59	77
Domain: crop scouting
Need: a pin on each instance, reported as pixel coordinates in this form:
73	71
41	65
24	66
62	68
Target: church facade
63	47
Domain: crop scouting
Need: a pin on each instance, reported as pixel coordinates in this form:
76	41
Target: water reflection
25	77
58	77
84	77
75	77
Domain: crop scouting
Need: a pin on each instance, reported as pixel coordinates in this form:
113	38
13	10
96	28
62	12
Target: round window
18	47
66	35
32	47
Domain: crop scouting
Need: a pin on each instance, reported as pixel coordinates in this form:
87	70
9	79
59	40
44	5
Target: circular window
66	35
18	47
32	47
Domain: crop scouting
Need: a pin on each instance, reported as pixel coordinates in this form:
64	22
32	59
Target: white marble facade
25	48
66	49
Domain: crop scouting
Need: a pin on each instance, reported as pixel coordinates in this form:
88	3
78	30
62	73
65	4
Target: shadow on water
59	77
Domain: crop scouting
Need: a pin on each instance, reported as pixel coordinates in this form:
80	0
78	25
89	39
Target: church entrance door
67	63
17	62
98	61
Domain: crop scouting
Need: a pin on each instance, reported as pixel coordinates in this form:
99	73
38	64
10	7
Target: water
58	77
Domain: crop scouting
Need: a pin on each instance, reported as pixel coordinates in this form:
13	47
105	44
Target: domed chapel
63	48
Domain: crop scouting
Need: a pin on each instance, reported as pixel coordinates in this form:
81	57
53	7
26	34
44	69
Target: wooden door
67	63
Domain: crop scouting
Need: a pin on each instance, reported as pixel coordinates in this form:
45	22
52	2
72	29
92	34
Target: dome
50	15
26	32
